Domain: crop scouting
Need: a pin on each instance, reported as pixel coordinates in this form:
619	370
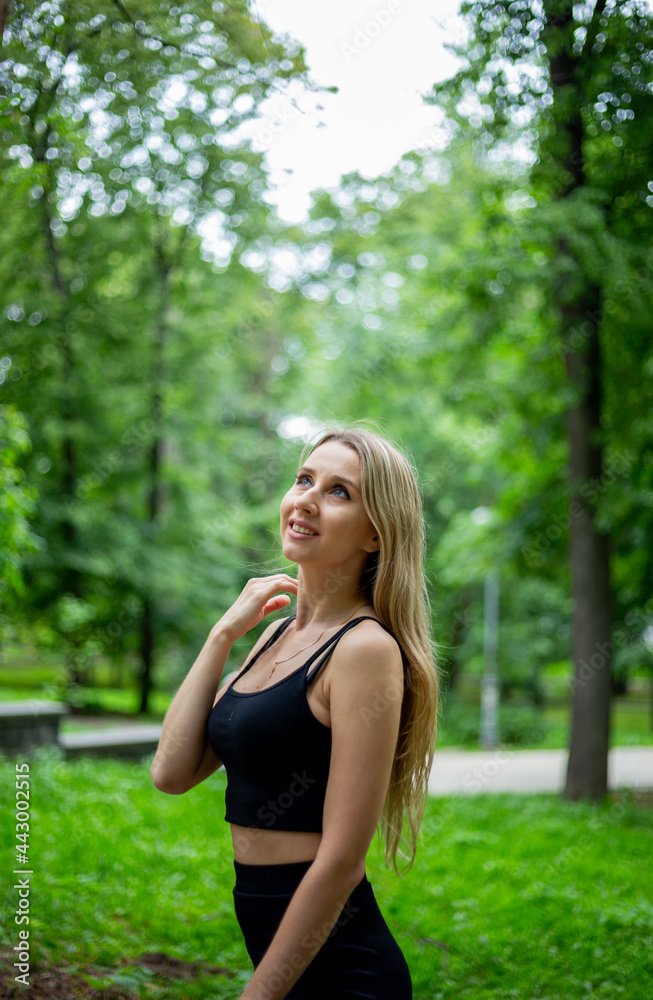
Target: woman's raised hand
256	600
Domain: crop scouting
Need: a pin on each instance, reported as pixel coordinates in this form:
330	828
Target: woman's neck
320	611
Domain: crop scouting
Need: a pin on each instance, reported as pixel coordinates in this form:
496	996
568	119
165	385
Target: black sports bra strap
273	638
331	643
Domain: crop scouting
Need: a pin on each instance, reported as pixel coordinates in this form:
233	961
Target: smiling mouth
302	531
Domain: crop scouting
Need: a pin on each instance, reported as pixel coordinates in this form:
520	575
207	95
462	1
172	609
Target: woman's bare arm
183	740
195	693
182	752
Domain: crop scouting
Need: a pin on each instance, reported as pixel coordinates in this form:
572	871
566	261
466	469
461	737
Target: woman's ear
373	545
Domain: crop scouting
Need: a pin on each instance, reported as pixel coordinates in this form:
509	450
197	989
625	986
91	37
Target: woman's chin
290	552
288	555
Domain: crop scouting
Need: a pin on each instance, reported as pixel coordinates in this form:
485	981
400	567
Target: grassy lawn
510	897
630	725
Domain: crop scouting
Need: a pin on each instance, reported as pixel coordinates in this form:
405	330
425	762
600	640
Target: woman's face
326	499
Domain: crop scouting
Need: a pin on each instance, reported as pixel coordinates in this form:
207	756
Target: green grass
526	897
630	726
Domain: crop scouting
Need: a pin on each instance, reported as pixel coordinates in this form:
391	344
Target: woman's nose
305	501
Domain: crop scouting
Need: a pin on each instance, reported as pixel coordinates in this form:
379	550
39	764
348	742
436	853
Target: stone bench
132	742
26	724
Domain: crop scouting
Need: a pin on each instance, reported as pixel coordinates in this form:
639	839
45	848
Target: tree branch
4	4
166	41
271	85
593	26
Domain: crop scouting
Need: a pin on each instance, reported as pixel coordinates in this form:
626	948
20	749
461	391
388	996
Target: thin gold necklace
297	652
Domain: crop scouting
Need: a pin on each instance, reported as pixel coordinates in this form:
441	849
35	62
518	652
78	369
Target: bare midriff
273	847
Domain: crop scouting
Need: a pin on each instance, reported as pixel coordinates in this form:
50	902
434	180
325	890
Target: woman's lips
298	534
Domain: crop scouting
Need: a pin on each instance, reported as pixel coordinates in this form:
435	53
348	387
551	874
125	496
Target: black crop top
275	751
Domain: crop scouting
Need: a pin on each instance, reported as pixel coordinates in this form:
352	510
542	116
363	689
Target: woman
328	730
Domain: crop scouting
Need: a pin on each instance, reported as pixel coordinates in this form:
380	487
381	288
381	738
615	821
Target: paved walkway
454	772
460	772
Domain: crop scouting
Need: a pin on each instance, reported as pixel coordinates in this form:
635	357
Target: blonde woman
327	731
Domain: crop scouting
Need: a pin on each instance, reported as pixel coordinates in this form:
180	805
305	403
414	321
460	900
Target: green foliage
104	701
163	373
118	323
518	725
503	107
18	500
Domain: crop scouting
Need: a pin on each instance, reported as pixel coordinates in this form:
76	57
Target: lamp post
490	683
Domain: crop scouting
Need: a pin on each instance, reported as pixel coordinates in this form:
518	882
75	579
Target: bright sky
381	56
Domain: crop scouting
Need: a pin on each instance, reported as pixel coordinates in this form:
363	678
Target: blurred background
226	226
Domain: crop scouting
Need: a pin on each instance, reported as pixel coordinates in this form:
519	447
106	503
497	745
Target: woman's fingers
275	604
258	598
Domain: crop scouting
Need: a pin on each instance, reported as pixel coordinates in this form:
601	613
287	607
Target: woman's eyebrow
342	479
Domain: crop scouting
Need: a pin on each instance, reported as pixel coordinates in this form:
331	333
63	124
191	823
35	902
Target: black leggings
360	958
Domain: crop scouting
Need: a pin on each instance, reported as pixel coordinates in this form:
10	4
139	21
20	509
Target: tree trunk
70	578
459	626
3	17
155	486
579	306
147	655
587	768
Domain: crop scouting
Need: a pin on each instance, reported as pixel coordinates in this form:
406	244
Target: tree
114	123
571	85
17	503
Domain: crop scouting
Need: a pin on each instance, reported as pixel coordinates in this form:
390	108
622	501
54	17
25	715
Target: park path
466	772
455	771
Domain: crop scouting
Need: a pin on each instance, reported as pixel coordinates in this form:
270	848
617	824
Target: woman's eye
343	491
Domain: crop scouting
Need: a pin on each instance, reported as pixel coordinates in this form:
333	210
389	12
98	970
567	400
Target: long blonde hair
395	584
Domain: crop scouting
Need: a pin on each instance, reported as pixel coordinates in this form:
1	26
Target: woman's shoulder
367	660
372	638
368	623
